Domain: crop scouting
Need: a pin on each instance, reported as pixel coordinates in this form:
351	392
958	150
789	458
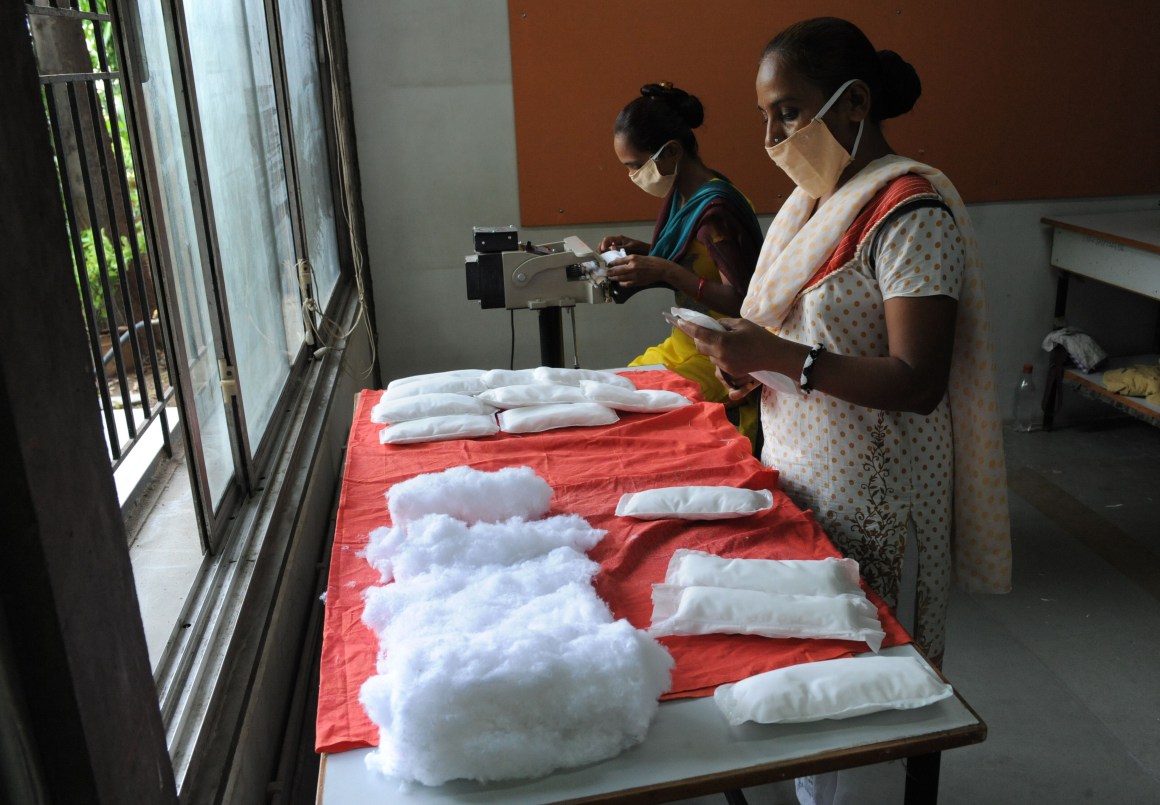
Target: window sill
164	543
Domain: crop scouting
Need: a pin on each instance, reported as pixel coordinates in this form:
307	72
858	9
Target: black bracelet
808	367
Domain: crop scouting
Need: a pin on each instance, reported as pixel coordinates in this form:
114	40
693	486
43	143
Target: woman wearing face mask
706	239
868	297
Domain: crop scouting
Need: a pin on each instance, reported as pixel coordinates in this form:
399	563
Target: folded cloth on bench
588	473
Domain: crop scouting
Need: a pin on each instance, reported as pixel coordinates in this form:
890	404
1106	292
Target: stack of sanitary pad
470	403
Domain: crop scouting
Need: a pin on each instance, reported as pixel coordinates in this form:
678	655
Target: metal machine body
504	274
547	278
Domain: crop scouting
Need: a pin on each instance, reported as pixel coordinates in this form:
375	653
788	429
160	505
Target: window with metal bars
82	82
198	148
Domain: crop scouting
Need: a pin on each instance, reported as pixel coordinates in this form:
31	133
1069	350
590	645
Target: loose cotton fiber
497	659
446	600
470	709
471	495
437	540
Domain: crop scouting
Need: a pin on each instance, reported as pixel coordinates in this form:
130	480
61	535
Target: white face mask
649	179
811	156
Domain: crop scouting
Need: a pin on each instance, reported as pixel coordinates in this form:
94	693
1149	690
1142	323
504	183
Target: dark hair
661	113
828	52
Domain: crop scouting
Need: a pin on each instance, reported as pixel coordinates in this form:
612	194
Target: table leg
922	779
1053	386
1054	382
735	798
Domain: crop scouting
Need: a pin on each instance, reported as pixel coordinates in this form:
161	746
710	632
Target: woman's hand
742	348
912	377
640	270
738	388
630	245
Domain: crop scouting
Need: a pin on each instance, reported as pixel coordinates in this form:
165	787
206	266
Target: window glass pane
243	154
185	252
302	74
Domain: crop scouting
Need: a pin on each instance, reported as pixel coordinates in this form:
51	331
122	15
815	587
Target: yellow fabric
679	353
797	243
1140	380
749	419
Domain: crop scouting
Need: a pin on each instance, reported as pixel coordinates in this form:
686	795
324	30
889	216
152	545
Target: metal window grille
81	81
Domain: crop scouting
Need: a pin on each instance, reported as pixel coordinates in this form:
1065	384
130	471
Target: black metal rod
551	337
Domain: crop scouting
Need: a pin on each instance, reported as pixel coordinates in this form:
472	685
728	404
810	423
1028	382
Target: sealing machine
546	277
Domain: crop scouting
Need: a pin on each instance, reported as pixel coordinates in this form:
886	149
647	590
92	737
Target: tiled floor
1065	669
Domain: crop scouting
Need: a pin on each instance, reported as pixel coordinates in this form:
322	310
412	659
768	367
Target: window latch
229	380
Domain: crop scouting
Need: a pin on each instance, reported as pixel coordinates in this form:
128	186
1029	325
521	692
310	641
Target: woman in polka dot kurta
868	293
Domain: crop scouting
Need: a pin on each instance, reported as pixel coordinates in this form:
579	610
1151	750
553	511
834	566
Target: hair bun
687	106
901	86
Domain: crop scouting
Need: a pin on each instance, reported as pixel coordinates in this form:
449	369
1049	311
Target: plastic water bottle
1027	410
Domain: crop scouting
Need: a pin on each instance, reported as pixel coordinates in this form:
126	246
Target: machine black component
485	279
490	239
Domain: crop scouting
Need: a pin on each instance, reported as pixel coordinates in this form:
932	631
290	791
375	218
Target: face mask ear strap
833	98
858	139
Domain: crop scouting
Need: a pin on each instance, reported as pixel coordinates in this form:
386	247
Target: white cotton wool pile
437	540
570	610
471	495
497	660
504	704
472	599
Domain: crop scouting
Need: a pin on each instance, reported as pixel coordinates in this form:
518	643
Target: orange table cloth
588	469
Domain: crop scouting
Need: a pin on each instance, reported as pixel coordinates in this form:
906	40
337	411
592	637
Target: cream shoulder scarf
797	244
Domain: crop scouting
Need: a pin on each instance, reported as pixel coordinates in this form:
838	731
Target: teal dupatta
681	222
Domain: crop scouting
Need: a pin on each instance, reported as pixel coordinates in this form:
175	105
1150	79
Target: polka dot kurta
865	473
870	476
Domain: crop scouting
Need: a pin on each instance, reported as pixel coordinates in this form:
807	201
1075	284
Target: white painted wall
434	117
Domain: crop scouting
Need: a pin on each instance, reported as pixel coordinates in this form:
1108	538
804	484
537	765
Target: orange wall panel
1020	100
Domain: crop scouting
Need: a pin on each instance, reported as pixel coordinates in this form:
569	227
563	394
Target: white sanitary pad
439	429
435	376
774	380
636	401
688	568
498	378
836	689
693	503
574	377
437	383
720	610
420	406
537	418
523	395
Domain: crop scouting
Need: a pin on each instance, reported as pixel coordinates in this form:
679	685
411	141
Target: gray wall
432	90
